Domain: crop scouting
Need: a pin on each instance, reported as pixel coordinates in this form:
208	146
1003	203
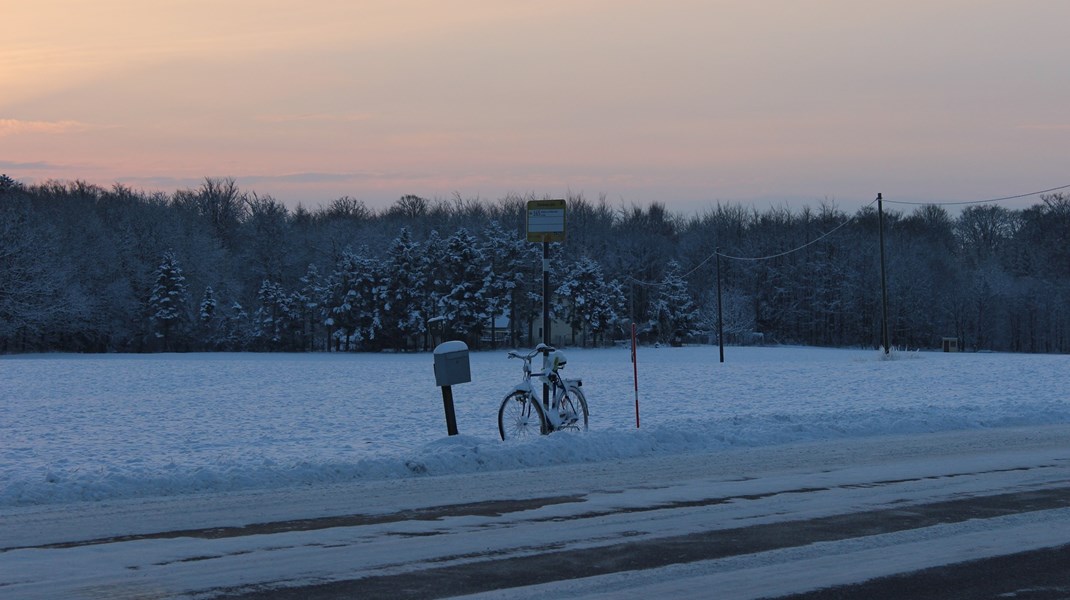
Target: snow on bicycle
555	404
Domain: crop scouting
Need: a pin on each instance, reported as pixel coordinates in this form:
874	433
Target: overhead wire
716	253
990	200
796	249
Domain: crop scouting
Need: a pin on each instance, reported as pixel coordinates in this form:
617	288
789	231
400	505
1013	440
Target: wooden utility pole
884	279
720	318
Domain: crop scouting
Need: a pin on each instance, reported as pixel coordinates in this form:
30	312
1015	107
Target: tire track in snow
499	574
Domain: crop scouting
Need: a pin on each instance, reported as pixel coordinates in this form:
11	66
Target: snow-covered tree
402	316
371	298
235	330
587	301
208	305
674	312
503	280
208	319
433	285
169	301
464	306
308	303
354	294
737	315
275	317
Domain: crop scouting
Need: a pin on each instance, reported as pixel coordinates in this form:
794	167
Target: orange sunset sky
682	102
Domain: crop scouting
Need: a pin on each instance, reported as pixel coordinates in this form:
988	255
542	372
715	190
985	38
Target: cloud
314	177
314	118
17	126
29	166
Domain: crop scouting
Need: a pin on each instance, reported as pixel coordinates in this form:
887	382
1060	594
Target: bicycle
523	412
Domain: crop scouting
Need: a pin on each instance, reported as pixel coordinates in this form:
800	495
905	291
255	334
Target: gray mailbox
451	367
451	364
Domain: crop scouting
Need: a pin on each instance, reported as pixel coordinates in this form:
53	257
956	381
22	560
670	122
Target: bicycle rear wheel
520	415
574	409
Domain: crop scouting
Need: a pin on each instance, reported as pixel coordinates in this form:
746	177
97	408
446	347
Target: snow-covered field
75	427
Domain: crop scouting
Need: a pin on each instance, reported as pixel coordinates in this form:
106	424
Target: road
971	515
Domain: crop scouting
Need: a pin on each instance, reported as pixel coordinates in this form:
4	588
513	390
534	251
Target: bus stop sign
546	220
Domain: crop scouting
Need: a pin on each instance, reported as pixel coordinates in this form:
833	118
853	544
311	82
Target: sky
683	102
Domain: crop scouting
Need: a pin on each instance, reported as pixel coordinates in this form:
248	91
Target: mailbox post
451	367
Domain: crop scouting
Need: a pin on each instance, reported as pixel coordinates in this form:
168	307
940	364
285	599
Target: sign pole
546	292
635	376
545	312
546	223
720	317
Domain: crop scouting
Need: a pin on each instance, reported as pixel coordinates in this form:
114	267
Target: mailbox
451	364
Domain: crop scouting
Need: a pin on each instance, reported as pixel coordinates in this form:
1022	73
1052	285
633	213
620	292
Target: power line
793	250
1054	189
756	258
841	226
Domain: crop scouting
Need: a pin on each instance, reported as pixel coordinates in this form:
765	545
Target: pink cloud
17	126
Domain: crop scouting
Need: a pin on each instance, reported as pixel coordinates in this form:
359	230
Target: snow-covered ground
199	475
79	427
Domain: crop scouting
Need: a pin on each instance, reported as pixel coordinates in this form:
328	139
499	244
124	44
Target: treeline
89	269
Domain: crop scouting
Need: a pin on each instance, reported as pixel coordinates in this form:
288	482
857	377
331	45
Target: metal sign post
635	376
546	223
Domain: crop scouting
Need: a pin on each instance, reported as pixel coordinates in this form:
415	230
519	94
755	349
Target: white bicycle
524	413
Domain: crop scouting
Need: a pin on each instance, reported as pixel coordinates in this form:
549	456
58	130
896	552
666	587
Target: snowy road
745	523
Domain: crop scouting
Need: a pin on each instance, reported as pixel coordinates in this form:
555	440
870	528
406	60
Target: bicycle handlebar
541	348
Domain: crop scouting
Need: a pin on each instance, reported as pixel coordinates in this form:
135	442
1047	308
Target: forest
90	269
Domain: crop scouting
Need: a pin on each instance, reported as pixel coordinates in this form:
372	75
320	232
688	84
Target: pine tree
234	328
8	184
464	306
674	312
208	305
586	301
432	286
340	295
207	319
371	288
403	273
354	300
168	301
503	277
308	303
274	318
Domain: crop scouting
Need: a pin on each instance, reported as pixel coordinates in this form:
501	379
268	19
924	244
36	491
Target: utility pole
884	278
720	319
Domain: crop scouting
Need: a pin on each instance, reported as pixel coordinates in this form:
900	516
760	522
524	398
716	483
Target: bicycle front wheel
574	409
520	415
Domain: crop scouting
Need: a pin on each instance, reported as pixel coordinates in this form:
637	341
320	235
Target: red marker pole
635	376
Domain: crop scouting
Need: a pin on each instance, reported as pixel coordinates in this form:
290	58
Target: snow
121	446
90	428
796	570
451	346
